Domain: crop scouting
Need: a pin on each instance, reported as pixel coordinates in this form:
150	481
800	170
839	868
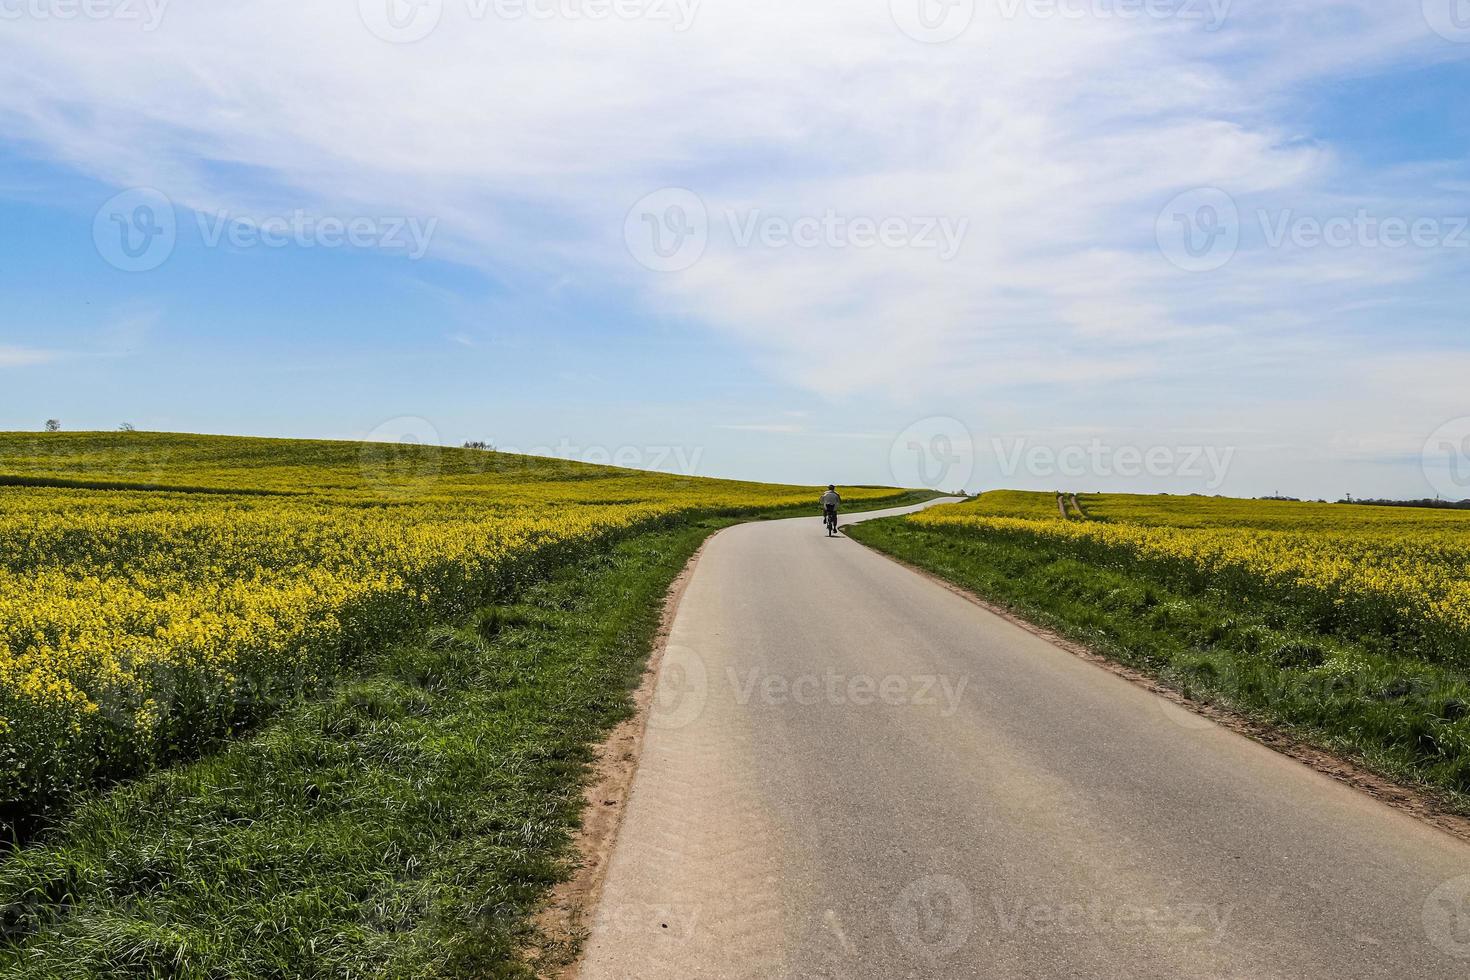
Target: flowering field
159	592
1395	571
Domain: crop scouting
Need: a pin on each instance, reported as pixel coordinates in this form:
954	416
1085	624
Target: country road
851	772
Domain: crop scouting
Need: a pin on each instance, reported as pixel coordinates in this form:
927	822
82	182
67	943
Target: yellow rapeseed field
1403	571
215	576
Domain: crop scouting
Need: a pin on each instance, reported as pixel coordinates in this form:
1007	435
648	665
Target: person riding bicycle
831	500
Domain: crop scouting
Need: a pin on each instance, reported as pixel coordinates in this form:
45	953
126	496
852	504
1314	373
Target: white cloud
775	428
25	356
1058	141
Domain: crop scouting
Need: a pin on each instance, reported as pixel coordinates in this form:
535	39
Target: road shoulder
565	921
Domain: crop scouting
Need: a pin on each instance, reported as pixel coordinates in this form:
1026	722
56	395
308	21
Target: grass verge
406	825
1359	697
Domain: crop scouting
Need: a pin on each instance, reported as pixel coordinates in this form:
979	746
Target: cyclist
831	500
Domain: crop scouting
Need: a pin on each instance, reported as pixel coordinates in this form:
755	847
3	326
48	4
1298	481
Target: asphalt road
851	772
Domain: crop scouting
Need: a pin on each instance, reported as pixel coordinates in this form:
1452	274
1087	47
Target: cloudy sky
1180	245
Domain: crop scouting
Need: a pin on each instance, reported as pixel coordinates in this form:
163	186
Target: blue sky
1030	315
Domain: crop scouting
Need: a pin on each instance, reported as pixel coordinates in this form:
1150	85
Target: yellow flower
1393	566
121	608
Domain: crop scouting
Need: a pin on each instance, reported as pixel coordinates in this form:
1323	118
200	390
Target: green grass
407	825
147	623
1361	696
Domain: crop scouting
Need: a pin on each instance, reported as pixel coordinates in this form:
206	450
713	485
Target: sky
1156	245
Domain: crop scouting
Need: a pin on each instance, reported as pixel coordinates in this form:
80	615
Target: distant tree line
54	425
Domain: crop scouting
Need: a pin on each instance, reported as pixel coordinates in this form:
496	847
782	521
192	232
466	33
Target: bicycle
829	520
